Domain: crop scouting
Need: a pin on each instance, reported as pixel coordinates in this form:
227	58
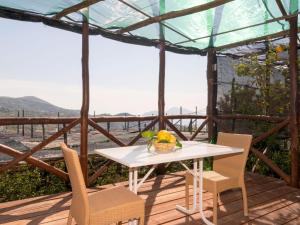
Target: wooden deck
270	202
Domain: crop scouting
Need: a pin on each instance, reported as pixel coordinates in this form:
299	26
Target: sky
37	60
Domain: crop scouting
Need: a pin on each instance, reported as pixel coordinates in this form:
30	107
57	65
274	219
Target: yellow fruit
172	139
163	135
279	49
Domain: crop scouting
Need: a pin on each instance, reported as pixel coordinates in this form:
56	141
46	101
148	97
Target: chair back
233	164
79	206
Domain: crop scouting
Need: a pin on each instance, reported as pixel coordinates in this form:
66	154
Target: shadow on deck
270	202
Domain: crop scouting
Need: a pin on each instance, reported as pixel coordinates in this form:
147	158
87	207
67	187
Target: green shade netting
232	22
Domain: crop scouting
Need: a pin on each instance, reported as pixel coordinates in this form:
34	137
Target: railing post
18	126
294	102
196	112
23	129
108	126
43	131
31	130
139	126
233	103
58	123
85	97
211	92
65	135
180	123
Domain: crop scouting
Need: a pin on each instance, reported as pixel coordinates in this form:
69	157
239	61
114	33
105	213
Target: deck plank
270	202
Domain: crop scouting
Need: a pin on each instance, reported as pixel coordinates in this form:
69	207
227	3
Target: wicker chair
228	171
103	207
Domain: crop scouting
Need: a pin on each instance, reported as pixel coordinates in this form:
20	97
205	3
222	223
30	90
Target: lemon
172	139
163	135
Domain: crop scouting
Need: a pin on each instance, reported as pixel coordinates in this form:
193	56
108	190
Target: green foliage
266	94
149	134
178	144
263	94
27	182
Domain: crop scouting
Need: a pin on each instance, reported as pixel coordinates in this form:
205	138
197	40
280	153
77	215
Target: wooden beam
4	121
140	134
75	8
272	119
161	85
272	131
294	102
171	125
105	133
85	100
173	14
199	129
271	164
99	172
252	40
35	162
281	7
172	117
39	146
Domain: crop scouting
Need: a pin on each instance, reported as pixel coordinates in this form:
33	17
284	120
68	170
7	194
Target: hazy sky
46	62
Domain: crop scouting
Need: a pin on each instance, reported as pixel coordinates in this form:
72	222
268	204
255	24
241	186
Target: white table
138	156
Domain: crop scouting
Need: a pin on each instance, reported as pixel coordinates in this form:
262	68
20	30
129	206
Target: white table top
136	156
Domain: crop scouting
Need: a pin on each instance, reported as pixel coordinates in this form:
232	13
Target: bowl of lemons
163	141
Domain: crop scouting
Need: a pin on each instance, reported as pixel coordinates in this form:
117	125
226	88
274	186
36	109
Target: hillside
32	106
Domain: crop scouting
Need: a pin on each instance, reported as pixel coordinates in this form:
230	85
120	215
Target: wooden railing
69	123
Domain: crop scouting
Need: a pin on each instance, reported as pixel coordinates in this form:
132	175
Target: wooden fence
68	123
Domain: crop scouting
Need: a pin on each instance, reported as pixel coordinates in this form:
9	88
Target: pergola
187	27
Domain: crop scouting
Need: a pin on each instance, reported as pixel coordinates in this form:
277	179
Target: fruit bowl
163	141
164	147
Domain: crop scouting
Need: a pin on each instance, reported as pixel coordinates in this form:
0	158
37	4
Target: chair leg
70	219
245	199
142	220
215	208
187	195
219	198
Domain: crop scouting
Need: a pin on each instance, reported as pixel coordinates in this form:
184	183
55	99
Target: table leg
194	209
130	177
200	174
135	180
133	186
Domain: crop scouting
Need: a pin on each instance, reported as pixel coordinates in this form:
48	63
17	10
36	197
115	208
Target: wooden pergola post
294	102
161	169
85	100
211	92
161	86
162	71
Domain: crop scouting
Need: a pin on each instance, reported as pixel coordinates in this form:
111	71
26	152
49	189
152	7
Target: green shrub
27	181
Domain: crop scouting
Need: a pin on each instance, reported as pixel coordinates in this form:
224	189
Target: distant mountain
176	111
170	111
32	106
123	114
150	113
